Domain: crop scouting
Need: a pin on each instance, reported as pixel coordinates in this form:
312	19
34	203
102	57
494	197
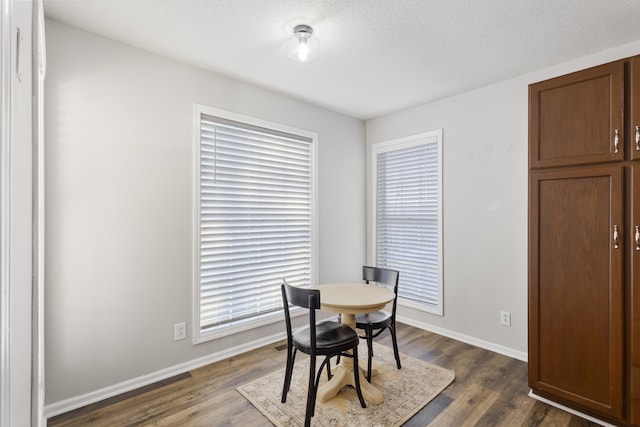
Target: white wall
485	203
119	209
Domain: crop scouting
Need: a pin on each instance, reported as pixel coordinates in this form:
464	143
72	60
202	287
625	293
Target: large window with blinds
254	219
407	221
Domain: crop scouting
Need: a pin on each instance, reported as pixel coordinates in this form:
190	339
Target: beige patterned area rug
405	390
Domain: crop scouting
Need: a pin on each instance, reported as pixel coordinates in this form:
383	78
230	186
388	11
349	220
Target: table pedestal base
344	376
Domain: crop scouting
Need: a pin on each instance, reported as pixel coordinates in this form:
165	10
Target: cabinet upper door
634	107
576	247
577	118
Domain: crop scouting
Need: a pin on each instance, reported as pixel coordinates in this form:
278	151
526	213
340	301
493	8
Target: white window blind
255	219
408	220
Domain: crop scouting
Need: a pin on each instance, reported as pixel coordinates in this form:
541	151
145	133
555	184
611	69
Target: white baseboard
67	405
569	410
466	338
70	404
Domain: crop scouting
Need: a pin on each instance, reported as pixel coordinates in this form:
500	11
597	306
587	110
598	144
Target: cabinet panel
577	118
576	285
633	334
634	107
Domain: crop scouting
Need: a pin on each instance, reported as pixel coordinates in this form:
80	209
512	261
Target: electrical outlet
180	331
505	318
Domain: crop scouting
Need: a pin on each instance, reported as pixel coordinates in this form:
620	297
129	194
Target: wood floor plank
430	412
468	408
489	390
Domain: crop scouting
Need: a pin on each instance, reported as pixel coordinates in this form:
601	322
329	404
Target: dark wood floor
489	390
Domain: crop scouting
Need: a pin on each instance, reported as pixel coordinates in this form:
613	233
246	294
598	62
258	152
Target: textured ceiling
376	56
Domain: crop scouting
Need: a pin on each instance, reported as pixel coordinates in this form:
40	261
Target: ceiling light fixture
303	47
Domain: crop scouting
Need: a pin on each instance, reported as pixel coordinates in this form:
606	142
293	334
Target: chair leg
311	397
325	362
392	329
370	352
329	369
291	355
356	375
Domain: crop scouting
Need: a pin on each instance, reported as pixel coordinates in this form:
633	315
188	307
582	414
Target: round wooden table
349	299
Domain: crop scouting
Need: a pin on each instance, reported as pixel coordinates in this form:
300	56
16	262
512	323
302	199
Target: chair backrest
381	275
384	276
301	297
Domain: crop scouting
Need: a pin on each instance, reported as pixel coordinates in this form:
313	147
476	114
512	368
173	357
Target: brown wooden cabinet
577	118
634	107
584	247
633	299
576	288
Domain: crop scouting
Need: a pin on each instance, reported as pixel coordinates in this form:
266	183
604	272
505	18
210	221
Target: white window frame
396	144
198	336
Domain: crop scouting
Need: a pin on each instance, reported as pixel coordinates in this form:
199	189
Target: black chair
326	338
375	323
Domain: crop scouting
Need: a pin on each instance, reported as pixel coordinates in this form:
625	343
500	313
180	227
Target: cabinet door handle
637	138
18	65
615	237
616	141
637	236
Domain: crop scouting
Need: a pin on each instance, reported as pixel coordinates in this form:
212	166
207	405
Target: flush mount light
303	47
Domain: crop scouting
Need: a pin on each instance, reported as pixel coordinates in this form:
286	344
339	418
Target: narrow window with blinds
408	219
254	220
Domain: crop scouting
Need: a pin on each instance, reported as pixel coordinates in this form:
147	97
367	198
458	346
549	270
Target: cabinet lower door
576	286
633	332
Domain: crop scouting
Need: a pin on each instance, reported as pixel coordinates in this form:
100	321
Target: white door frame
16	213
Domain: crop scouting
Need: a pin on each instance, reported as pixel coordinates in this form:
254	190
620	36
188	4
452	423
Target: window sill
242	325
420	306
